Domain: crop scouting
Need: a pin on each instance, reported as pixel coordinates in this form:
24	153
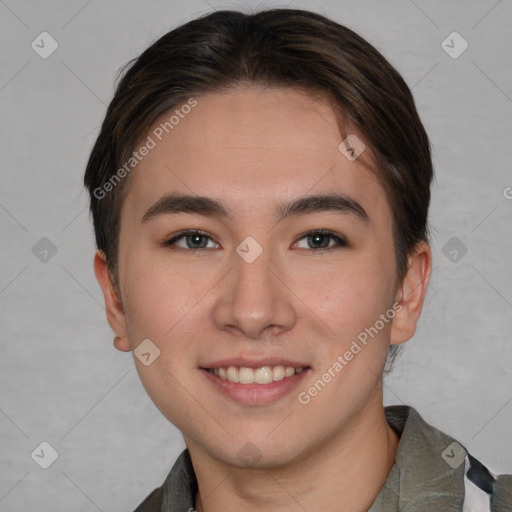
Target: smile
255	386
263	375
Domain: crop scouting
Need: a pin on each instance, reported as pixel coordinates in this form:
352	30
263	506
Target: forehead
251	147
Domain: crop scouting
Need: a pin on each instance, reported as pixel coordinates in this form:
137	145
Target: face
257	275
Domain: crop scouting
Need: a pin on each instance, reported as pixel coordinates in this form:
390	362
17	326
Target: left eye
320	239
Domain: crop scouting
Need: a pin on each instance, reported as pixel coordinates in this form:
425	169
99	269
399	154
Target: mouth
262	375
257	383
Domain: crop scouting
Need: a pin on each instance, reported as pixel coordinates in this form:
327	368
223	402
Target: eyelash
341	242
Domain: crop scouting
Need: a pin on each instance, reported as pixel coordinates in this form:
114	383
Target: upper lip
254	363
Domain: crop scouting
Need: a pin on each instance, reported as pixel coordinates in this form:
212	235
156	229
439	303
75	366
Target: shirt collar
419	480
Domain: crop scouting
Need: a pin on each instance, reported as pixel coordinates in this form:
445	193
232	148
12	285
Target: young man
260	191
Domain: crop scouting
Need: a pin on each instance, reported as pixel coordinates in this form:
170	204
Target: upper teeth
263	375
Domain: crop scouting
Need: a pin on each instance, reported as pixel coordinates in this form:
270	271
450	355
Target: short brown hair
275	47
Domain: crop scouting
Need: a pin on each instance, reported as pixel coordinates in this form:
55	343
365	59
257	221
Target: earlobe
113	306
411	294
122	344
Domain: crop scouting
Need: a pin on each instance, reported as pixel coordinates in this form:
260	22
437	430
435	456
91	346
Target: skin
253	148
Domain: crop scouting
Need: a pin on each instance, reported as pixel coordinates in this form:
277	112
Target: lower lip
256	394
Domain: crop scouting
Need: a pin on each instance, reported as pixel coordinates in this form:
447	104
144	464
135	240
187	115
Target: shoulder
502	495
178	490
484	490
442	470
153	503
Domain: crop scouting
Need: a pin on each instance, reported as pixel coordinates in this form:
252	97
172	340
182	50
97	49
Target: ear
411	294
115	312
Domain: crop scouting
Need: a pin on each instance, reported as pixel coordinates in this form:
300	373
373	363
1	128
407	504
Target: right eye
193	240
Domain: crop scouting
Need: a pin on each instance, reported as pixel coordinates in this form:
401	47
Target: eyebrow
209	207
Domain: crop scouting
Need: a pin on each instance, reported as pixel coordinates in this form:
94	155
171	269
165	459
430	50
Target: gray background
61	380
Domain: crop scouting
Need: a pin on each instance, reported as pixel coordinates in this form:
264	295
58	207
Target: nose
254	300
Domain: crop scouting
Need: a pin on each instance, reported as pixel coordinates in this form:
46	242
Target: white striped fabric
475	499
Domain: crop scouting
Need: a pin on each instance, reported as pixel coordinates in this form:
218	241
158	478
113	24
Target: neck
346	473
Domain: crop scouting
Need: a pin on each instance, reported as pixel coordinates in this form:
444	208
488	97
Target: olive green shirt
432	473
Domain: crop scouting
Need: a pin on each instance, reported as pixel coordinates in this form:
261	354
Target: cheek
154	297
157	307
349	293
